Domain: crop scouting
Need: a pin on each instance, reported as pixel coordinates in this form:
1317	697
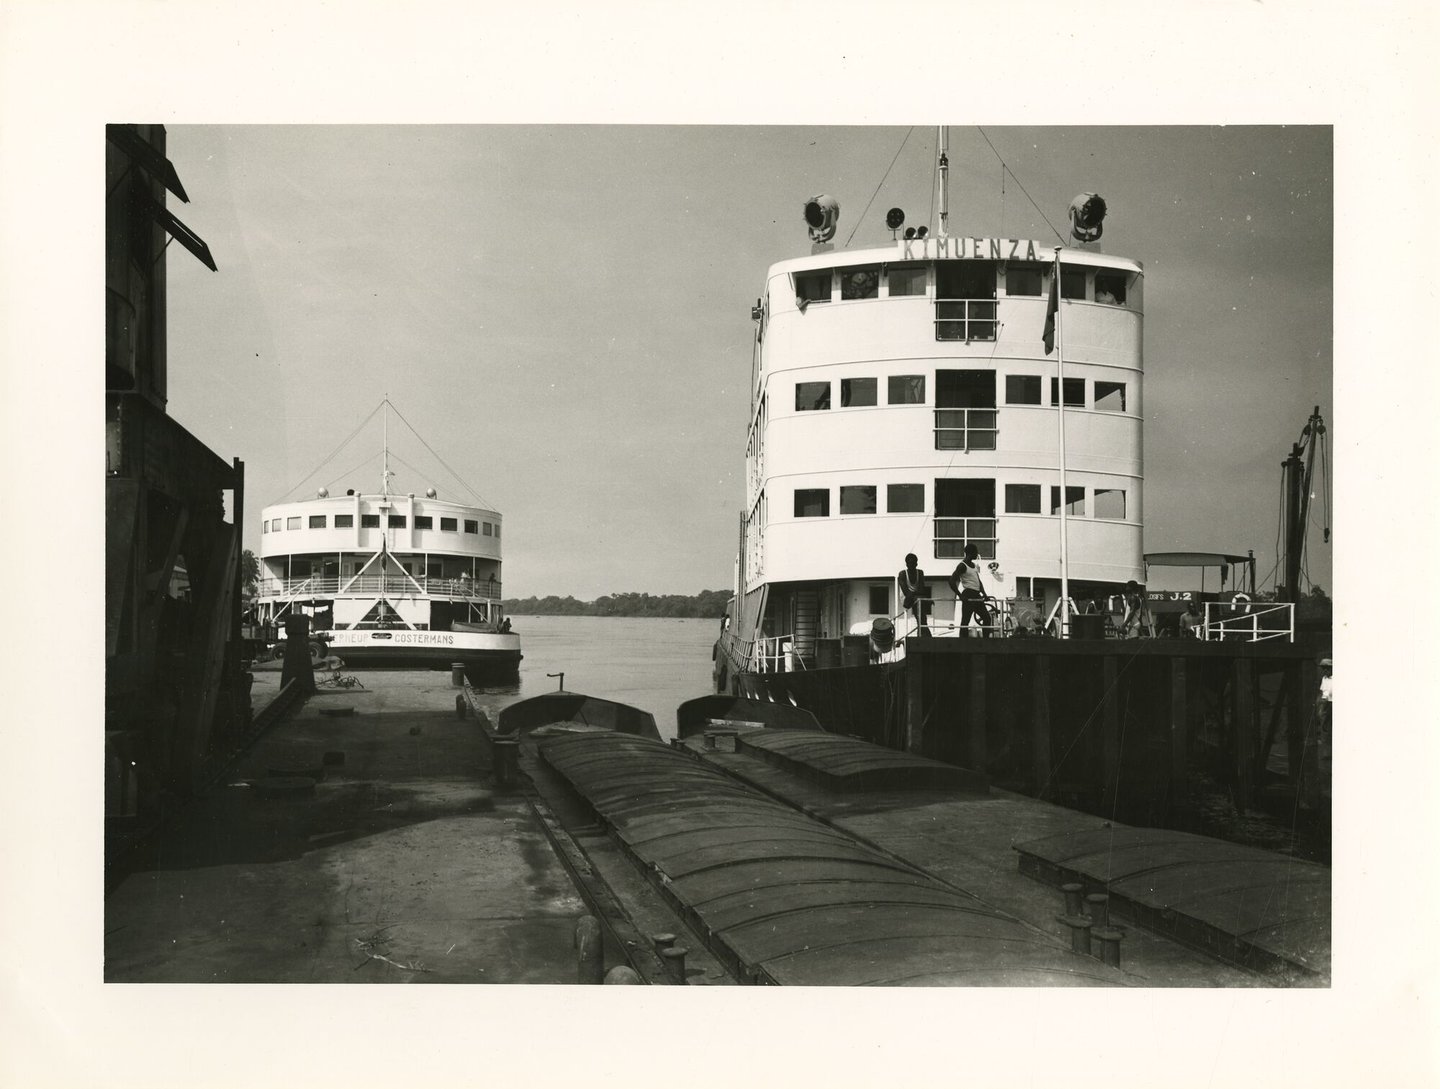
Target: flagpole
1064	496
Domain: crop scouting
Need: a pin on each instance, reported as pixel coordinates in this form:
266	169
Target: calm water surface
655	665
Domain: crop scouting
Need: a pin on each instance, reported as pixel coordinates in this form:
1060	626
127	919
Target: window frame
911	379
821	403
890	493
854	489
847	387
823	495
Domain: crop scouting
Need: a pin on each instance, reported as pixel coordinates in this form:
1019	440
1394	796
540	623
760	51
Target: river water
654	664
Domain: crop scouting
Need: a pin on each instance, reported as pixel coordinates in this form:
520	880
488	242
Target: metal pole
1060	398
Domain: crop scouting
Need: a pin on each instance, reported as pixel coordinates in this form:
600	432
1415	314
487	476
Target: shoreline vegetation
705	604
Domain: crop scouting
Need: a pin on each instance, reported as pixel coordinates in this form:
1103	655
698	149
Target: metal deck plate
1254	908
784	898
849	764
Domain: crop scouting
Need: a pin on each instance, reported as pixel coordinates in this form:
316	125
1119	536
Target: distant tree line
707	603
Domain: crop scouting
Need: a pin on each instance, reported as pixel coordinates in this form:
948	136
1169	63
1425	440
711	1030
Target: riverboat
946	394
390	580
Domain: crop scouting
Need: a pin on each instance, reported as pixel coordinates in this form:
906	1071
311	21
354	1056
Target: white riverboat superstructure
903	400
390	580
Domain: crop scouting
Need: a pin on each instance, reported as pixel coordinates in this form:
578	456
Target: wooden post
1109	733
1040	725
914	702
1307	725
1179	733
1243	703
976	724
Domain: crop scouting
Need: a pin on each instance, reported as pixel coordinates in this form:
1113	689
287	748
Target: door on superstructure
965	416
965	514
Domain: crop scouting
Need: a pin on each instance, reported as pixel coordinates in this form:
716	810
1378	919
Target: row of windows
372	521
1107	503
959	280
959	389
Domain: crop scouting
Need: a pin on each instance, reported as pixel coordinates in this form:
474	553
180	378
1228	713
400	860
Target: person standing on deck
915	592
1136	618
970	591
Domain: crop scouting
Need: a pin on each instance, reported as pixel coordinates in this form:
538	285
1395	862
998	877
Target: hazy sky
563	312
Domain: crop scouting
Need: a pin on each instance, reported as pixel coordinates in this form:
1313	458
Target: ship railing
771	654
1248	621
387	585
966	428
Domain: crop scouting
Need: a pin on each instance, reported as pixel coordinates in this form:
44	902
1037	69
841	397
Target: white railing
365	585
1248	621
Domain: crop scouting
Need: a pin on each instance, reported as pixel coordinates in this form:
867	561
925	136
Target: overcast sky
562	312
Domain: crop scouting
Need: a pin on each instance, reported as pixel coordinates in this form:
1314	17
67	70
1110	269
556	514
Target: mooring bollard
1099	903
1074	898
460	706
623	973
457	674
674	958
1109	939
589	951
662	942
1079	932
507	751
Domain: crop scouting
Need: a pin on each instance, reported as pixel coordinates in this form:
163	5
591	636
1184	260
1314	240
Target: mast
385	433
1064	495
944	136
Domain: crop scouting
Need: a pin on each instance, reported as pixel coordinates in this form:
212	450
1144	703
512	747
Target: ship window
1110	503
497	529
292	523
472	525
857	392
487	529
265	526
1074	392
344	521
905	280
1022	498
369	521
1022	389
812	502
905	498
449	525
907	389
964	513
862	282
810	396
317	521
1072	283
857	499
1110	396
275	525
424	521
880	600
1074	500
812	287
1110	288
396	521
1022	278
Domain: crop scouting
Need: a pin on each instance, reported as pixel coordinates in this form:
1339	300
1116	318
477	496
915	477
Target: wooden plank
1179	734
975	724
1109	733
1040	725
1243	714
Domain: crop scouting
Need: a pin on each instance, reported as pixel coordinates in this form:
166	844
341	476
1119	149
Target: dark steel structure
175	686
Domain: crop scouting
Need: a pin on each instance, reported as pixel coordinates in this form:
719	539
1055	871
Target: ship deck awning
1194	559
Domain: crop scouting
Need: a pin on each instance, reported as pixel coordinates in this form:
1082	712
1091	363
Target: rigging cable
1021	184
877	188
483	501
332	454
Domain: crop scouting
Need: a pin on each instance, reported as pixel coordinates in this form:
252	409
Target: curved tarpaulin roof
1192	559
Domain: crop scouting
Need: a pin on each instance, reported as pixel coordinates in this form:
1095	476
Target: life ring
1240	602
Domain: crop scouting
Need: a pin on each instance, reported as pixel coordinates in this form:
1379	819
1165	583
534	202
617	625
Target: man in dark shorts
970	591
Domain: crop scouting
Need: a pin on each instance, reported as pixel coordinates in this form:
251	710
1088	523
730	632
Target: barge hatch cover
1251	907
850	764
784	898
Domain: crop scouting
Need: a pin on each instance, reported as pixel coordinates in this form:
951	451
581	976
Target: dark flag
1051	310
